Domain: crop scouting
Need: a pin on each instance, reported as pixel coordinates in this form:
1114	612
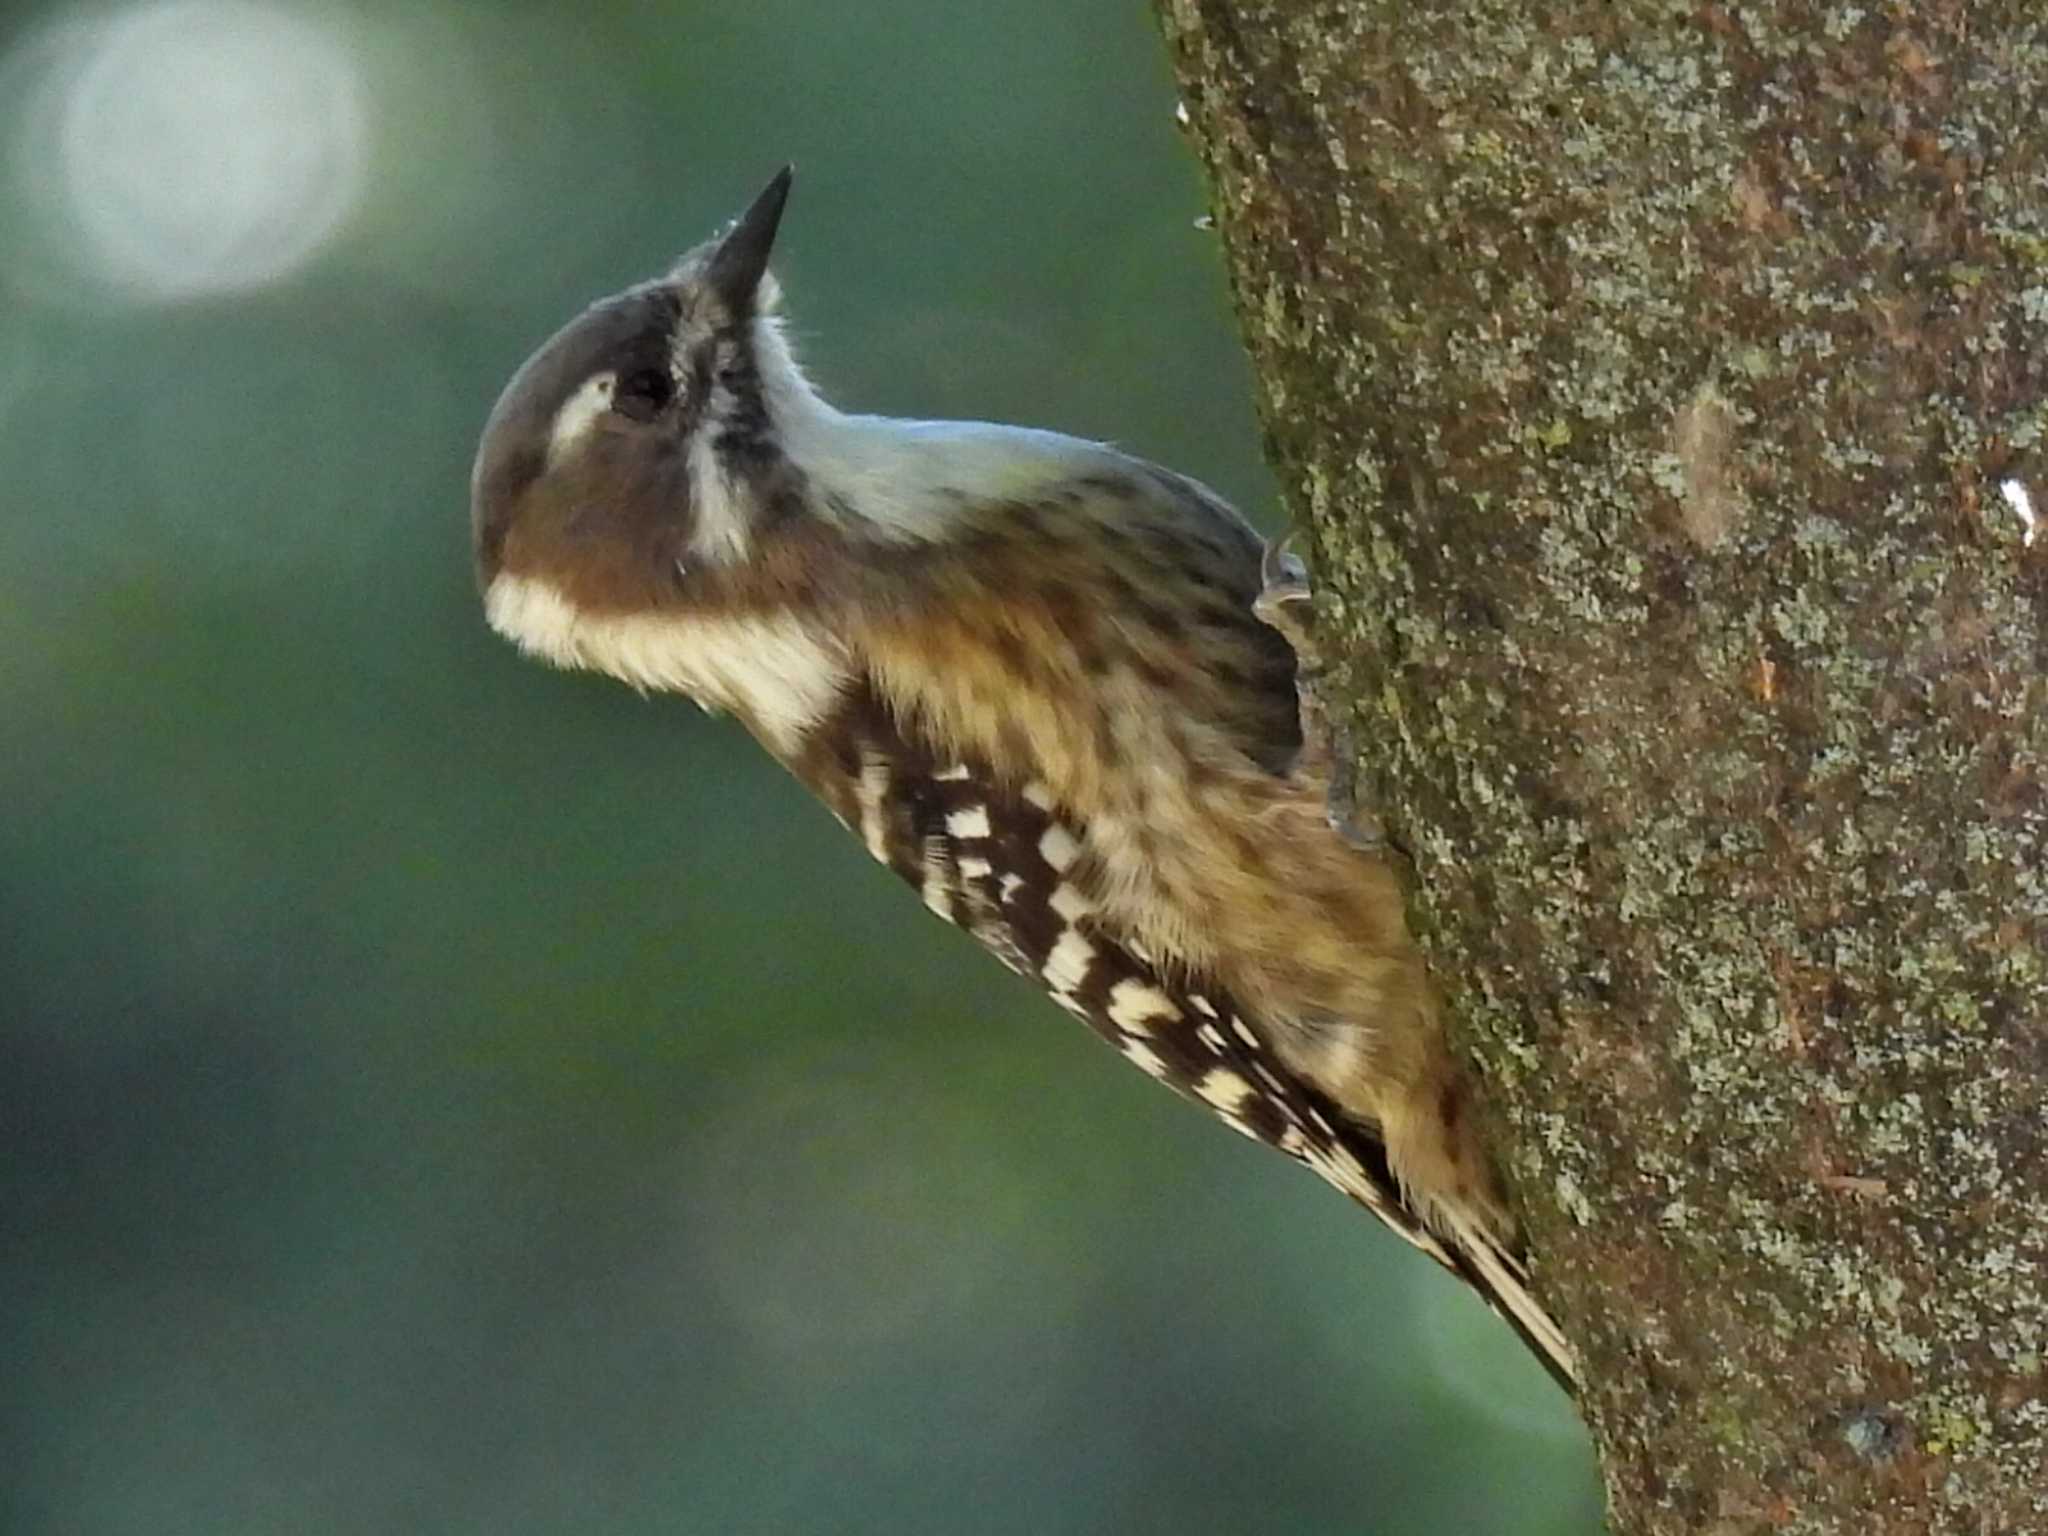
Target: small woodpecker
1031	674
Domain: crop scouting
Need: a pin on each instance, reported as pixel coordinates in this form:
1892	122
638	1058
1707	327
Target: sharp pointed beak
742	256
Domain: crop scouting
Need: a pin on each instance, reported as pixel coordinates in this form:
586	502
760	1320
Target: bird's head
636	445
661	496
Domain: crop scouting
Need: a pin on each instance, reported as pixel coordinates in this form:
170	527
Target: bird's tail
1466	1247
1502	1277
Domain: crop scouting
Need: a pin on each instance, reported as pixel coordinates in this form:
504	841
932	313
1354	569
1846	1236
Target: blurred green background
440	1094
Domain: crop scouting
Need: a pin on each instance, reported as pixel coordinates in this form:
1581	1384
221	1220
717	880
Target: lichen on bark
1648	377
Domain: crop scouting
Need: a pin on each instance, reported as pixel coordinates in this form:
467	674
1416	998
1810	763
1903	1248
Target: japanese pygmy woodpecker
1027	672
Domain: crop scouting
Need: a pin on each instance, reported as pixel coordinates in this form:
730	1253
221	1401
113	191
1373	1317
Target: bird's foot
1283	604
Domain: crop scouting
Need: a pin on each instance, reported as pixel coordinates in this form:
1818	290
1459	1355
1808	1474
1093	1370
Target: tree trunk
1660	386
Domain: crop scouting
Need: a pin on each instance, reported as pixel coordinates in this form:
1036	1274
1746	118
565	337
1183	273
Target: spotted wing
1000	862
997	861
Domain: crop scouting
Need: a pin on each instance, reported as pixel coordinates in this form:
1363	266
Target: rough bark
1647	376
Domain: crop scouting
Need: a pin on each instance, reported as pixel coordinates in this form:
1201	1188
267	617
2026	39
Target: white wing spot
1012	884
1144	1058
1037	794
1212	1037
970	824
1068	902
874	784
976	869
1135	1007
952	775
1058	848
1067	966
938	887
1202	1005
1223	1090
1271	1079
1243	1031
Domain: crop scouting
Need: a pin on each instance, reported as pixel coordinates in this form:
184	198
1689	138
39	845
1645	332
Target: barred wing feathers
1000	862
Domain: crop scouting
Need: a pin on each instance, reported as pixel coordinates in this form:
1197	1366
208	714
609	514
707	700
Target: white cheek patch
723	531
591	400
721	512
776	670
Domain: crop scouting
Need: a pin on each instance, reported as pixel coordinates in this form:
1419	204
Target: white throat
772	669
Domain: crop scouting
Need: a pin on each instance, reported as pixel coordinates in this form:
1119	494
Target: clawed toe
1283	604
1283	581
1350	818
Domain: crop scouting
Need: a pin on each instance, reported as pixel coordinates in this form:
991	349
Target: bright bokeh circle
204	146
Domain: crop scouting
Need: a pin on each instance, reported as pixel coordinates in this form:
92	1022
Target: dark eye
643	393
